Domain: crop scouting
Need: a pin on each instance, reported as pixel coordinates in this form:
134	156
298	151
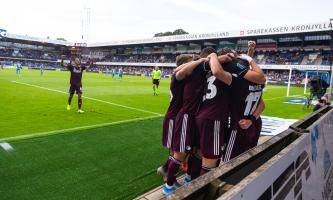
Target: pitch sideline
98	100
40	134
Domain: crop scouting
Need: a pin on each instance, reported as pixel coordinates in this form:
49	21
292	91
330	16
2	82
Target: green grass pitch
109	152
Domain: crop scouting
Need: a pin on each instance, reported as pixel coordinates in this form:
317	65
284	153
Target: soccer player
18	68
106	71
182	143
41	68
176	102
245	125
120	73
156	77
113	71
76	69
212	118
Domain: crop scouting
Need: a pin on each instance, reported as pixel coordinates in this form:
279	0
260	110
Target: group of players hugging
214	112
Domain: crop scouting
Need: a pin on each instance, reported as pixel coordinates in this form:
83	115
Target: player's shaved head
183	58
207	51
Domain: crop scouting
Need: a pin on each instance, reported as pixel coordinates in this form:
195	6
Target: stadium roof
284	29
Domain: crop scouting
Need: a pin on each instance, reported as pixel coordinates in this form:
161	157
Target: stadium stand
138	57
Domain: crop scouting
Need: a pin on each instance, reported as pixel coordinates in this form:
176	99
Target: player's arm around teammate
186	69
217	69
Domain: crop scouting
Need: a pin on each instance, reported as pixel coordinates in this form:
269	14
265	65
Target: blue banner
3	33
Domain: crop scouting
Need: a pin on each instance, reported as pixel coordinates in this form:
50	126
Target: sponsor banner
297	67
80	44
274	125
3	33
303	170
285	29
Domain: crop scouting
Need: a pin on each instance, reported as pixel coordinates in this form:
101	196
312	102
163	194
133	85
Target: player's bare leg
154	89
69	101
79	103
208	165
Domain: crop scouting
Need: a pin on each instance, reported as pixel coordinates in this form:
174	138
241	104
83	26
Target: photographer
322	102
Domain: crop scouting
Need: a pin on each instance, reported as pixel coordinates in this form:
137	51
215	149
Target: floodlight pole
306	82
331	60
289	80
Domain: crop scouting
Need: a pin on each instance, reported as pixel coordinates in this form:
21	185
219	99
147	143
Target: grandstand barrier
295	164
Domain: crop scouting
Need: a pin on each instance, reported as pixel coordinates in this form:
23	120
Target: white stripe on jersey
170	133
183	136
216	137
230	145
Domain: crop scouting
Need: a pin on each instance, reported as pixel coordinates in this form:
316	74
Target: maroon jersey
76	74
194	89
245	98
215	105
176	97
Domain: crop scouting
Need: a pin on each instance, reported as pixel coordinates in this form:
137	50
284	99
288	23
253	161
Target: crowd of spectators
31	64
142	58
283	76
285	57
28	54
130	70
269	57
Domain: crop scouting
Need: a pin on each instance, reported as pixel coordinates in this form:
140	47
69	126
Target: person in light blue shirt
113	72
18	68
41	68
106	71
120	74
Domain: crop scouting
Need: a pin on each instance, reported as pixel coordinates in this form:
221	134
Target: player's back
193	90
215	105
176	96
245	98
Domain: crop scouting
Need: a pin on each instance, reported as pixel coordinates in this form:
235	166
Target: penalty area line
98	100
54	132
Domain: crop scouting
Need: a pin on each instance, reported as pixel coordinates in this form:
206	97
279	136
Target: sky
112	20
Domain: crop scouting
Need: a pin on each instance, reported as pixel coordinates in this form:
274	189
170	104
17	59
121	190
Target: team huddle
214	112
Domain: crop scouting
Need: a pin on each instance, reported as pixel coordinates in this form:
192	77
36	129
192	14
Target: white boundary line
98	100
283	97
6	146
33	135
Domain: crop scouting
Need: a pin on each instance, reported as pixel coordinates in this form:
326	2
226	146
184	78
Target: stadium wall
295	164
303	170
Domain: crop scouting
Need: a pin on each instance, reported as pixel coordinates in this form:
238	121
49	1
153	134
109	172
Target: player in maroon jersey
176	102
246	108
76	69
212	118
182	143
